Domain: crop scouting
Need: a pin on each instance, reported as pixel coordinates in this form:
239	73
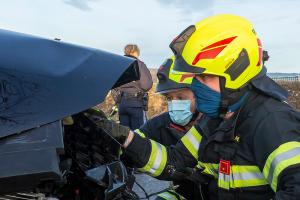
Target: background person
132	98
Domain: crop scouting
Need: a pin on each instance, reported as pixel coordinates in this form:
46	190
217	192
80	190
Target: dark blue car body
43	81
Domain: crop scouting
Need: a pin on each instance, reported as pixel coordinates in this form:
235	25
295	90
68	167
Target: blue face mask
179	111
208	100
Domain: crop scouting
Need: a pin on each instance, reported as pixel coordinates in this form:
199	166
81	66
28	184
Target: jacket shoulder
263	115
273	105
153	127
140	62
160	120
262	106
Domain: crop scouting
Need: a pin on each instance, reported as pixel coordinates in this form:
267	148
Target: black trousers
131	116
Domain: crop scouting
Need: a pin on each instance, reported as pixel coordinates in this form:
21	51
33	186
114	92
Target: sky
152	24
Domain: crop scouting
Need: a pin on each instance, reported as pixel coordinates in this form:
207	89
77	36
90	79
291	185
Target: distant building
284	76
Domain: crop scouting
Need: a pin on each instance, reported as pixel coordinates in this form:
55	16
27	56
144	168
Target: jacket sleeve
276	147
145	81
152	128
164	162
146	130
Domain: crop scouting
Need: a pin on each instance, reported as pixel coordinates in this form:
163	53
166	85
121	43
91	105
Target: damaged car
50	143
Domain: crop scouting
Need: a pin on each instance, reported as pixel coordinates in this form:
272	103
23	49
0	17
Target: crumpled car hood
44	80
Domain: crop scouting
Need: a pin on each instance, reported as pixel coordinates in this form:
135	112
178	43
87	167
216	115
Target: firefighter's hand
117	131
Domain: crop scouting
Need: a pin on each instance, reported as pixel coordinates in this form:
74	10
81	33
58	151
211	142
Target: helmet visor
179	42
177	46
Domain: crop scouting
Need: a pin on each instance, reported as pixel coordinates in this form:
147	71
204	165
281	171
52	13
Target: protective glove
117	131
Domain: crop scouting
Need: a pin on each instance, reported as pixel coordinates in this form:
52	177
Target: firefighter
167	128
248	143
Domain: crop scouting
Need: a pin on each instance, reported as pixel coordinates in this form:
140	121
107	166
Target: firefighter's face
183	94
210	81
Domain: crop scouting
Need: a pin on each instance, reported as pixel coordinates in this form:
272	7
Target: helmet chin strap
229	96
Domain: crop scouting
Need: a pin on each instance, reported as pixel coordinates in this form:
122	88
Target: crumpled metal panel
44	80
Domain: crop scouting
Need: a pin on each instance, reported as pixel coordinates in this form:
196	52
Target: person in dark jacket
167	128
248	142
132	98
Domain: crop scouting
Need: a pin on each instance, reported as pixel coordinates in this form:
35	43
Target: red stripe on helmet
185	76
259	56
209	54
220	43
259	52
258	42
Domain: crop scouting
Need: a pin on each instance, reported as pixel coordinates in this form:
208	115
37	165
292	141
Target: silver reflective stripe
144	117
281	157
158	159
167	196
225	177
248	176
193	140
242	176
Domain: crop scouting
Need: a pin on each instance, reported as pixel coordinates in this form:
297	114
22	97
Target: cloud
80	4
189	5
152	24
190	10
276	23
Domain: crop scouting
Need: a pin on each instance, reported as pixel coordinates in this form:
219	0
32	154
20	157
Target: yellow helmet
223	45
167	81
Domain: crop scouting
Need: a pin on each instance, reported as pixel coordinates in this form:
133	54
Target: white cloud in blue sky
80	4
152	24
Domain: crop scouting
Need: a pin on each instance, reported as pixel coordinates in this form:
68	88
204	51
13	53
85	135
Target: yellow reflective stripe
242	176
168	196
249	183
151	160
281	166
284	156
281	149
209	168
191	140
224	181
247	176
138	131
248	179
162	163
157	160
244	168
